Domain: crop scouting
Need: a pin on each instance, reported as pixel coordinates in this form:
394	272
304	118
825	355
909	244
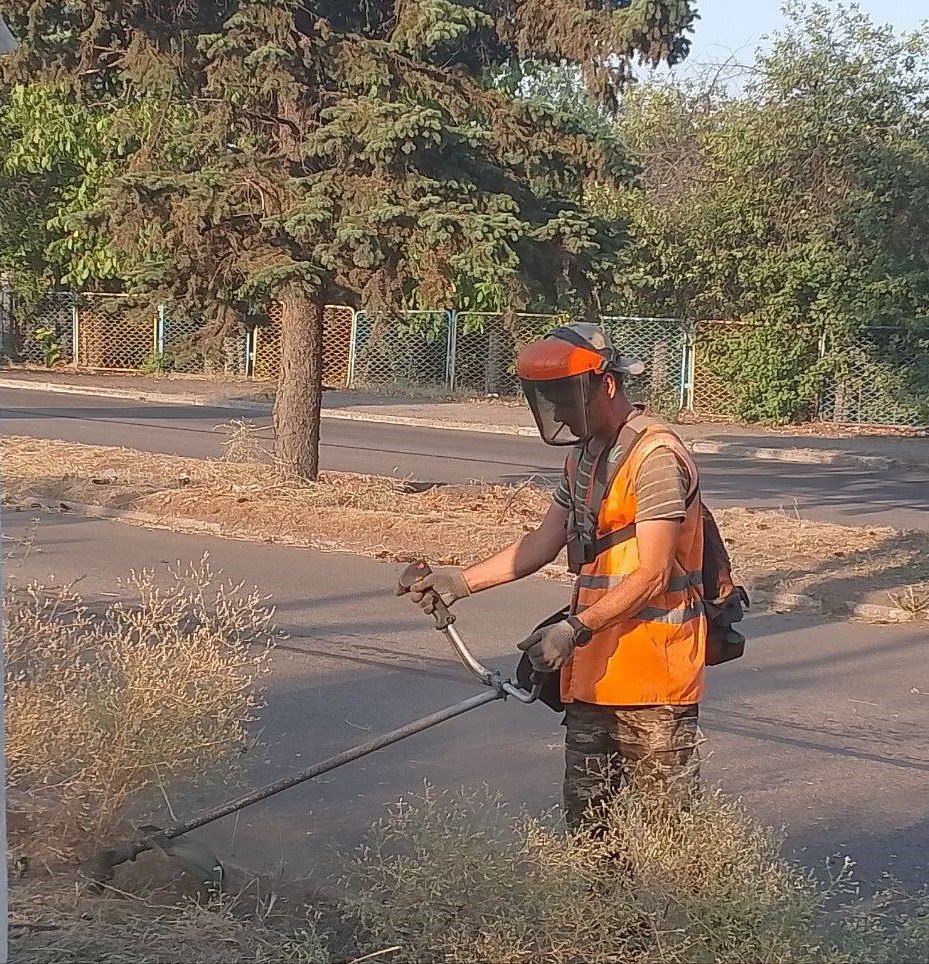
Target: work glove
549	647
450	585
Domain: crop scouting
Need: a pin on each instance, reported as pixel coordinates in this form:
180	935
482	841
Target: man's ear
610	385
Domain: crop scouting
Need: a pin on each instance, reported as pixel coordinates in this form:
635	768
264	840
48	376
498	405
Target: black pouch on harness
724	643
551	682
581	550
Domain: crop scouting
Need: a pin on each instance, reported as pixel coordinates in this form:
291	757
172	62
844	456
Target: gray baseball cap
587	334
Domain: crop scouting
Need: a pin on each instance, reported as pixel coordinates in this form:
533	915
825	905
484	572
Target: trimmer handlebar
444	620
100	867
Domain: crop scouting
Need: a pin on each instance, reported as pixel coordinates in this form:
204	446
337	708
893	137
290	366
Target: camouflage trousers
651	750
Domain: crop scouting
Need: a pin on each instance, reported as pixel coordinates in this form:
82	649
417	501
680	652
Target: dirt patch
447	524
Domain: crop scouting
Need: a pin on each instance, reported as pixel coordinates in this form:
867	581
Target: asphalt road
832	493
821	727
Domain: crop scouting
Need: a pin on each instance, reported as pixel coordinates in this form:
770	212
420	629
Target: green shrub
49	345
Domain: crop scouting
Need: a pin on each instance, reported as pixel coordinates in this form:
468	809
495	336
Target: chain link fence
185	348
180	343
487	344
662	344
485	348
44	333
877	375
115	333
265	346
715	345
753	372
338	345
407	352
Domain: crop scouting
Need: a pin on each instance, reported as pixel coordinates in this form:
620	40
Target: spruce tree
318	151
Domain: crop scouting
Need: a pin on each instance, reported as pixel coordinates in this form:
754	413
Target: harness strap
614	538
604	474
606	469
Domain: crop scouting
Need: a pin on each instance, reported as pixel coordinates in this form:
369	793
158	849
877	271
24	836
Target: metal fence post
249	336
255	337
160	332
688	358
452	349
75	333
352	351
822	348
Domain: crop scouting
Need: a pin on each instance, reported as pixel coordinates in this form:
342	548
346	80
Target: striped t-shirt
661	485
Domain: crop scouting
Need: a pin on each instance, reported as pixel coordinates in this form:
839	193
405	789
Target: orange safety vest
658	655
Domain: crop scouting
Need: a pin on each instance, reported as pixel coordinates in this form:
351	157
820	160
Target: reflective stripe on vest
675	583
674	617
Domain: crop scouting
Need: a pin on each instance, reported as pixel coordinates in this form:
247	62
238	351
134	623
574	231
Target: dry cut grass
374	515
780	550
394	519
51	924
104	705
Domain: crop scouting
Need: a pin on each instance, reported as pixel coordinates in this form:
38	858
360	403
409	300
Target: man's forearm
628	599
520	559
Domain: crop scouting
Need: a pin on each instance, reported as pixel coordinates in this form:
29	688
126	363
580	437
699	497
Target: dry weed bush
453	879
243	441
104	705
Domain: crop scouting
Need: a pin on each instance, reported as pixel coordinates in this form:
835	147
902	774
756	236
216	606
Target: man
631	649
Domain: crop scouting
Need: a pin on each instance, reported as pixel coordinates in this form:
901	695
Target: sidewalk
804	444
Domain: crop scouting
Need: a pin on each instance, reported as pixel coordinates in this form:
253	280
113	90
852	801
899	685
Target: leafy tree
799	205
328	150
57	157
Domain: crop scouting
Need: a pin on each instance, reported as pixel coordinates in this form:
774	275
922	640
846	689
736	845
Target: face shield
560	407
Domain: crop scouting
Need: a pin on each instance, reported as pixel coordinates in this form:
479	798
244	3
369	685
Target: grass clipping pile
241	496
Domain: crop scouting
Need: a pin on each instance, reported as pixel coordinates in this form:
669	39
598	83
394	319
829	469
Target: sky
736	27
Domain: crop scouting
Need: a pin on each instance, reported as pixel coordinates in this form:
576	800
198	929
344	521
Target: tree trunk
300	387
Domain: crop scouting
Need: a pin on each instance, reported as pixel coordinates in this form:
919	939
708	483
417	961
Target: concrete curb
791	602
167	398
804	456
776	602
797	455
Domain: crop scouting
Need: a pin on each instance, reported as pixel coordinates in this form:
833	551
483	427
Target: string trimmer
201	862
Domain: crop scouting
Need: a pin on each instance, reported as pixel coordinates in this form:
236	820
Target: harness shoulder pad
608	468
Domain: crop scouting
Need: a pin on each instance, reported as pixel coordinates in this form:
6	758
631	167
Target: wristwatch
582	633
